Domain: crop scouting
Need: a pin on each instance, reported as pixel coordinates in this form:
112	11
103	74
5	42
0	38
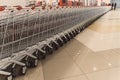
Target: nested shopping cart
29	34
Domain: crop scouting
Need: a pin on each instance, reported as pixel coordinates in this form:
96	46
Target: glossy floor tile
80	77
108	23
75	49
111	74
92	62
60	68
103	34
99	42
112	57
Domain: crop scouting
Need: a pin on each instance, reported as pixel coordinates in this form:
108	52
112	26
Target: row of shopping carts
29	34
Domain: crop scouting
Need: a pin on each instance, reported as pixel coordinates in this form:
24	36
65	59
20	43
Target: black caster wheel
13	74
48	50
54	46
71	36
68	38
9	77
23	70
59	42
32	63
64	39
41	55
28	64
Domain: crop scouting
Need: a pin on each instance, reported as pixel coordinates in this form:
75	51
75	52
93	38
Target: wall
13	2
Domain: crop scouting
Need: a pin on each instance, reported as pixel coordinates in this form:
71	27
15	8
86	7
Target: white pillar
86	2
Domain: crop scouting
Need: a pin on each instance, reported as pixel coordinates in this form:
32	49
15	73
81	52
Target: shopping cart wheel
59	42
76	31
23	70
41	55
64	39
10	77
67	36
48	50
31	62
13	73
34	63
81	29
71	35
55	46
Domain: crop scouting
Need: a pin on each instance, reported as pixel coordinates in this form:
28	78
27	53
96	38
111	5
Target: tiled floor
93	55
103	34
